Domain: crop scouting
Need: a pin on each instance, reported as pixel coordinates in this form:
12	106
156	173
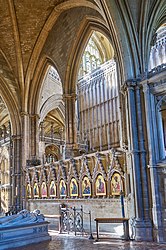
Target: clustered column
136	147
17	191
153	158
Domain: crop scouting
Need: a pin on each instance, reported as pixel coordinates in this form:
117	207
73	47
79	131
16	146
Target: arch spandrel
85	169
98	168
88	26
41	41
72	171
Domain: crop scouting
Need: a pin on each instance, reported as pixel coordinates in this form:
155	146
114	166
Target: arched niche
73	187
52	153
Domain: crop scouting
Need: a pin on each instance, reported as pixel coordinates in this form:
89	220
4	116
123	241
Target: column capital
129	84
34	116
24	113
146	89
16	137
70	96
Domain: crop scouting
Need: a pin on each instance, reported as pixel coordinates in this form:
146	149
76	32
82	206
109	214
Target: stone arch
57	11
157	18
157	51
53	149
37	84
50	105
88	26
115	173
12	107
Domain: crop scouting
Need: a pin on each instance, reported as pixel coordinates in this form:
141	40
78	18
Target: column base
159	235
143	230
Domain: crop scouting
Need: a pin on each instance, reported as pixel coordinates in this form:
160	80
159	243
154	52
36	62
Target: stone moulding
23	229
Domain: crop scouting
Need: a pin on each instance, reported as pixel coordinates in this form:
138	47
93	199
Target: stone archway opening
97	90
52	117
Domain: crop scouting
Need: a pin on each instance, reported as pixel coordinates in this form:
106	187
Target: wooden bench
124	221
55	216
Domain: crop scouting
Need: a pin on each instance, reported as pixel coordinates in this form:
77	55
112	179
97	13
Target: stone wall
98	207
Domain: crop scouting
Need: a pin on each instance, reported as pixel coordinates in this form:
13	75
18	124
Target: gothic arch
36	86
88	26
12	107
157	18
57	11
51	104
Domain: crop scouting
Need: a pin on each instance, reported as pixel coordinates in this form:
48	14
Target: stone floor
71	242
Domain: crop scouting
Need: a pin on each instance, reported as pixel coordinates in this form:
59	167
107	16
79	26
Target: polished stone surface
71	242
23	228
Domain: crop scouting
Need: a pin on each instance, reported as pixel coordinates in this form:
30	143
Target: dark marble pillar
153	158
17	172
137	158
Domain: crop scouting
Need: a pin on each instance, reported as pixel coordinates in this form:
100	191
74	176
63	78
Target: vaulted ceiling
35	34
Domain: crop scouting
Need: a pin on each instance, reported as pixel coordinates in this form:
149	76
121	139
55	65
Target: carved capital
16	137
24	113
35	116
69	96
128	85
146	88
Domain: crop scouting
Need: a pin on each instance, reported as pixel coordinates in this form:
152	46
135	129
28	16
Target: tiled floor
70	242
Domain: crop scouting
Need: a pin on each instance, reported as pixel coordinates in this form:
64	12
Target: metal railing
72	220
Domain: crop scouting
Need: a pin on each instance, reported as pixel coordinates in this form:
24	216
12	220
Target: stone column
34	136
143	162
71	128
164	126
143	229
17	191
160	133
156	203
25	137
42	131
25	155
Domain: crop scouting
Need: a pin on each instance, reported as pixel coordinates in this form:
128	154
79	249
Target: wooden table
125	222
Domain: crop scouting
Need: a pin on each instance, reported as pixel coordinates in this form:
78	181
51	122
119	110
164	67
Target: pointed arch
156	19
88	26
12	106
32	98
57	11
